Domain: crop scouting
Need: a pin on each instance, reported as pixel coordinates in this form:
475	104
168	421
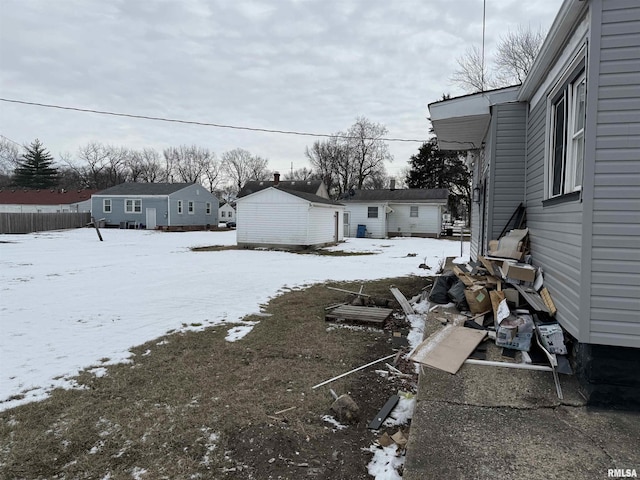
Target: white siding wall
376	227
271	217
322	224
614	253
428	221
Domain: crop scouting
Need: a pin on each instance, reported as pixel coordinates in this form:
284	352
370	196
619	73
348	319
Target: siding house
156	205
287	215
17	200
414	212
227	213
566	145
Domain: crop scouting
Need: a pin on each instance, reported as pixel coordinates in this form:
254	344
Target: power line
204	124
9	140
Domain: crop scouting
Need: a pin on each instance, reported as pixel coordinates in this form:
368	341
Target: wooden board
402	300
352	313
448	348
384	412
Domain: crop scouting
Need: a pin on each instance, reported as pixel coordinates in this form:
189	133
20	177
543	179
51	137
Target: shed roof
134	188
306	186
400	195
17	196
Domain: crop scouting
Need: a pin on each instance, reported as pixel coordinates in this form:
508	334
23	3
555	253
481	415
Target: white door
151	218
346	222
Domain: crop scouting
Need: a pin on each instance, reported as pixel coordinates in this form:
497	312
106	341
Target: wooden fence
40	222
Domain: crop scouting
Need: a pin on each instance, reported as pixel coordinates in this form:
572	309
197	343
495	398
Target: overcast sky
301	65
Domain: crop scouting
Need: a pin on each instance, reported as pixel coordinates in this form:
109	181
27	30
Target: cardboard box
513	296
519	271
516	331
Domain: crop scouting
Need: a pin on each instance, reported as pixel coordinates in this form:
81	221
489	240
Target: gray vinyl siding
200	196
615	241
555	231
166	211
475	213
507	172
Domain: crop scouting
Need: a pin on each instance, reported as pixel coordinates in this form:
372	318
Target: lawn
183	358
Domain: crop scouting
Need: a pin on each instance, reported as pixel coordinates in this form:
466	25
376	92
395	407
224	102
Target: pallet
351	313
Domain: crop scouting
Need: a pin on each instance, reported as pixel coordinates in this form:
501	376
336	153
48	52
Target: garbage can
362	229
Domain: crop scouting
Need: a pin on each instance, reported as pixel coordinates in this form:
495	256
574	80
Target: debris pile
500	296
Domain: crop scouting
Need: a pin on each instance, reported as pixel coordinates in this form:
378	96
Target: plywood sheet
448	348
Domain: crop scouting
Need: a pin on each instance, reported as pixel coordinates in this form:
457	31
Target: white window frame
179	206
207	209
133	205
564	163
191	207
107	206
370	212
413	211
223	214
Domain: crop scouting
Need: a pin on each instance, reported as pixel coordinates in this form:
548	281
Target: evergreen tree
435	168
36	169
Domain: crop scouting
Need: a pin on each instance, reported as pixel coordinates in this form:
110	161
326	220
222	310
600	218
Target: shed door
345	217
151	218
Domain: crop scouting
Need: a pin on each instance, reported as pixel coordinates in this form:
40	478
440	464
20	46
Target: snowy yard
70	302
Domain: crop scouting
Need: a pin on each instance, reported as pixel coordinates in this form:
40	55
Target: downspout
168	211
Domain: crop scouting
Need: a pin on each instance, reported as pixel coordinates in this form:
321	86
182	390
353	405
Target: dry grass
310	251
175	411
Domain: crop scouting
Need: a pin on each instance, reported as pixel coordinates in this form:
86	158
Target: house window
372	212
223	213
208	208
106	205
132	205
179	206
190	207
566	142
413	211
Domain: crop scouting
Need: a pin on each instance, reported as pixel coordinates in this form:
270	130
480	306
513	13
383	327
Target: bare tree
472	74
145	166
302	174
240	167
368	149
332	162
189	164
515	55
9	160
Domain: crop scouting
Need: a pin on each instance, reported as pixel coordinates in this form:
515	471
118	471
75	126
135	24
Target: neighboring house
17	200
155	205
414	212
566	144
276	214
227	213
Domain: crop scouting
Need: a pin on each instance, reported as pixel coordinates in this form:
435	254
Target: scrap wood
359	294
448	348
464	278
384	412
533	298
353	371
402	300
285	410
548	301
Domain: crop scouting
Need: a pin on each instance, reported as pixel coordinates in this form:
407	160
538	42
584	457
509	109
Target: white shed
278	217
414	212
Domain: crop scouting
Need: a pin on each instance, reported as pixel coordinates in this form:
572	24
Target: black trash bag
457	296
440	288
